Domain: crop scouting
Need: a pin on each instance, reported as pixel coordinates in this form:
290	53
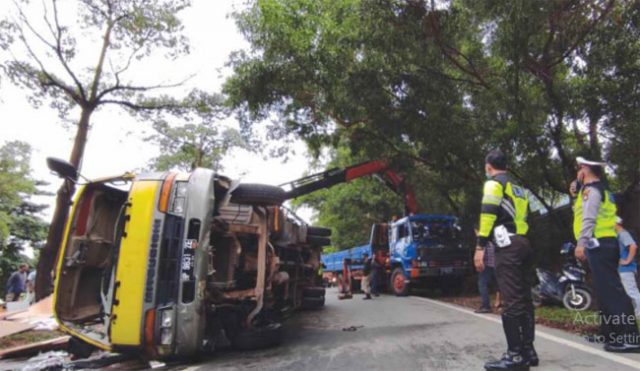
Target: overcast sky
116	140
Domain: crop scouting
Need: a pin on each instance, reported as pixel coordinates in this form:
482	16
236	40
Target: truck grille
170	257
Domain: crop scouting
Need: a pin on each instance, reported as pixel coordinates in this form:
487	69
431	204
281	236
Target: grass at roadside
28	337
583	323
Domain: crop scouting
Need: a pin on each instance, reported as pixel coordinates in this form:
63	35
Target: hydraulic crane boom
335	176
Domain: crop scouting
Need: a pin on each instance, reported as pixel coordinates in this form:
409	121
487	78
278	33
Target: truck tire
310	303
398	284
313	292
258	337
318	241
258	194
318	231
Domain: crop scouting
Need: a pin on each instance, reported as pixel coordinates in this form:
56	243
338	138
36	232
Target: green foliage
41	53
199	139
20	225
435	89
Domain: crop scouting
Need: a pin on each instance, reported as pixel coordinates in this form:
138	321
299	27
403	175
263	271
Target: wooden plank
30	349
3	315
9	328
43	308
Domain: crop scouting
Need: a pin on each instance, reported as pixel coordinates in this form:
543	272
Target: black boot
512	359
509	361
528	324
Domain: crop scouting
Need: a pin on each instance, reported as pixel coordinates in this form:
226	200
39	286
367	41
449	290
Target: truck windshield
434	231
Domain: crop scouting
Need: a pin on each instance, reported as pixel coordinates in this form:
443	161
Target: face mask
488	176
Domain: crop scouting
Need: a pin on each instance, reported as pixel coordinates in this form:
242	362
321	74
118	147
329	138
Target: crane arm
329	178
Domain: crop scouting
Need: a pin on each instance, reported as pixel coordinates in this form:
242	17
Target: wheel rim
577	300
398	282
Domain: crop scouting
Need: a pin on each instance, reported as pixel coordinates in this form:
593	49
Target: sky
116	141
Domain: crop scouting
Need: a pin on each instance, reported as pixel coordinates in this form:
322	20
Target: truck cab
173	264
424	248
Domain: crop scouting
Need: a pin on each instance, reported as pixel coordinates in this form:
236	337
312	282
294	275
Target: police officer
503	219
594	213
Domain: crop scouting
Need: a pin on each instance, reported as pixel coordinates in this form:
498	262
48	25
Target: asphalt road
411	333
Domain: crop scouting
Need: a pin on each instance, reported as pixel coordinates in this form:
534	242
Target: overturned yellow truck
174	264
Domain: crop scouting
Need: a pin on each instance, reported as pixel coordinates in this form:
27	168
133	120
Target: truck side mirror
62	168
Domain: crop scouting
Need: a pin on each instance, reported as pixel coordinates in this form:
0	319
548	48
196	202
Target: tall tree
20	225
47	55
436	86
199	139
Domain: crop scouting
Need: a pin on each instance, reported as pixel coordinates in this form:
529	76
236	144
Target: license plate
188	260
447	270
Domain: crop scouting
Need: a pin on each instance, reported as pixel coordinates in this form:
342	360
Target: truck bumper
439	272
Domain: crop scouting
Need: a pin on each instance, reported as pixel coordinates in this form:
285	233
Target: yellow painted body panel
61	253
126	329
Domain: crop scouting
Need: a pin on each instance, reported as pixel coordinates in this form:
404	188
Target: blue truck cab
426	249
418	250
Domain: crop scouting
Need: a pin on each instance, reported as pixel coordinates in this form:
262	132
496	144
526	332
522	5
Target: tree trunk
48	255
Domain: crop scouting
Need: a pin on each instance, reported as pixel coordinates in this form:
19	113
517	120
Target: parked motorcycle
568	287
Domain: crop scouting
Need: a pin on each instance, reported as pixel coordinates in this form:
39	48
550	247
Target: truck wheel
310	303
318	231
258	337
318	241
313	292
399	285
258	194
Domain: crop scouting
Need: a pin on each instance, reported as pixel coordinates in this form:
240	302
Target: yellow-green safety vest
606	219
503	203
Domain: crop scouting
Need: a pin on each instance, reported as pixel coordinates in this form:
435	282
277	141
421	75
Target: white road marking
601	353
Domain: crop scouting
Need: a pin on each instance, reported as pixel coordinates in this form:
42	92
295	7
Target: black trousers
514	265
617	320
513	273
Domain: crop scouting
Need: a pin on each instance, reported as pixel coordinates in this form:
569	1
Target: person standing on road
375	275
366	276
594	221
628	265
16	283
486	278
503	219
31	287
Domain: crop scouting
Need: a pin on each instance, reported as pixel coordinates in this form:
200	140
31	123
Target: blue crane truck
417	250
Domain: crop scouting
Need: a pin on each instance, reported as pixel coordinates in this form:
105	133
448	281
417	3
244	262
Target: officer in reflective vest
594	213
503	219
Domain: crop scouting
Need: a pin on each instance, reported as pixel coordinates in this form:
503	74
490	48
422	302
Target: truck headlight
166	336
178	205
179	198
181	189
167	319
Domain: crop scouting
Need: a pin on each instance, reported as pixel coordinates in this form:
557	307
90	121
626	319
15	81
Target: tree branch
140	107
117	87
603	12
58	50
